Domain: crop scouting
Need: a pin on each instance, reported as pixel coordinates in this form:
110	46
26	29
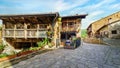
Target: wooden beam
11	19
48	20
40	21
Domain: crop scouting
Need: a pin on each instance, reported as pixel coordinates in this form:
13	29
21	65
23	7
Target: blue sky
96	9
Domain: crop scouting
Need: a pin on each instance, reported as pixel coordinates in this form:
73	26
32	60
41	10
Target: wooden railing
24	33
69	28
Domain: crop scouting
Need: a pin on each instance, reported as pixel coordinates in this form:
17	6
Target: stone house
105	27
71	26
28	29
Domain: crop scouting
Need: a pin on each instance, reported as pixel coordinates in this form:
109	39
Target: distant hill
83	33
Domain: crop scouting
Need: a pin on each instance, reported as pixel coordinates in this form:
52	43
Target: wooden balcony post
14	31
59	25
37	31
25	30
67	25
3	30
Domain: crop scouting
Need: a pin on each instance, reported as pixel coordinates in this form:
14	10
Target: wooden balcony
24	33
70	28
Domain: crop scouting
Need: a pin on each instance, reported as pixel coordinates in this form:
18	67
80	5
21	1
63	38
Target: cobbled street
85	56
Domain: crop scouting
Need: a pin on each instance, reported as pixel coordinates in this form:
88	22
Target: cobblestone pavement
85	56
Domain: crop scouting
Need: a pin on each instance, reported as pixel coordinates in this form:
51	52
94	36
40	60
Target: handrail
30	33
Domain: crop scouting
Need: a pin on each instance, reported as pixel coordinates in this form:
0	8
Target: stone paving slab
85	56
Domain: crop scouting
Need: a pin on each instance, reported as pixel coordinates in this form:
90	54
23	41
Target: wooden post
67	30
14	31
66	35
67	24
78	29
60	23
37	34
25	30
31	43
3	30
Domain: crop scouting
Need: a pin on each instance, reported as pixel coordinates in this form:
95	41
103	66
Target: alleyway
86	56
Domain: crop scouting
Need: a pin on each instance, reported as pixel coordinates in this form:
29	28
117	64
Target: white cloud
114	6
95	10
96	6
102	4
42	5
96	13
91	18
49	5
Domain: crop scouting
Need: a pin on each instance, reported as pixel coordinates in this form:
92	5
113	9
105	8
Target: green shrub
2	47
34	48
50	45
3	55
40	44
83	33
43	42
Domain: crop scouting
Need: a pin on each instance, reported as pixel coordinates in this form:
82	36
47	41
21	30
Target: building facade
71	26
26	30
105	27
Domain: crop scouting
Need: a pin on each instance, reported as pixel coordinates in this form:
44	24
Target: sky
96	9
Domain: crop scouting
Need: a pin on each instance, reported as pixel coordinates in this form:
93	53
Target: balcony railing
70	28
21	33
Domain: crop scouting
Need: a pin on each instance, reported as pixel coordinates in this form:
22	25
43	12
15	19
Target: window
114	32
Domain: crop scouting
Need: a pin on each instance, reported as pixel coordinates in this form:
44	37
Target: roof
30	18
75	16
39	14
104	17
107	25
89	26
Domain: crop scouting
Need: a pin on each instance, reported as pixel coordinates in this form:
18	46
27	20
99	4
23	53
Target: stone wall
104	21
112	42
114	30
10	62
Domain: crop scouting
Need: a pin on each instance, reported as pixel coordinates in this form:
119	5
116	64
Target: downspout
55	17
53	28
